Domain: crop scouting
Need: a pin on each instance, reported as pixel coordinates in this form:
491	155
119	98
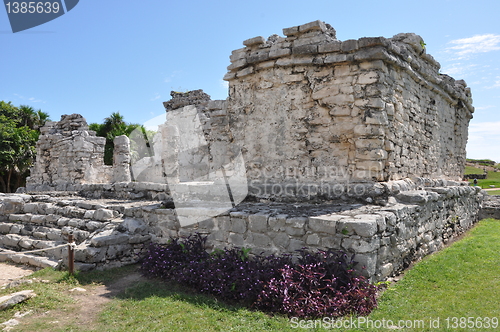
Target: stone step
20	258
81	210
19	242
52	221
43	233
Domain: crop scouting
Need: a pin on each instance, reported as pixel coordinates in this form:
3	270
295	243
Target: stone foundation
416	221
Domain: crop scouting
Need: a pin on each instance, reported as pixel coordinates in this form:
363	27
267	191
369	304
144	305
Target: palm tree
114	125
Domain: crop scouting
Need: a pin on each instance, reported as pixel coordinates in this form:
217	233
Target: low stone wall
491	208
416	221
419	217
476	176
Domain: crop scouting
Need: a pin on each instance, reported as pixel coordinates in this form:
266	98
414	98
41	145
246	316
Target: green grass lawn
493	178
473	170
462	280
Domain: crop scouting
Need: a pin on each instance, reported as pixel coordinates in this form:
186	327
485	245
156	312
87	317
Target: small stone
78	289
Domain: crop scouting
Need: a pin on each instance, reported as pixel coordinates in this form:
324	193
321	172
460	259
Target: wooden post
71	254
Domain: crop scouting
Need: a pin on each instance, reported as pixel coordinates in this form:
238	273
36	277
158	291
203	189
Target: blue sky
106	56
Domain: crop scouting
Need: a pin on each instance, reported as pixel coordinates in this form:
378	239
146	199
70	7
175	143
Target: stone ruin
356	145
68	154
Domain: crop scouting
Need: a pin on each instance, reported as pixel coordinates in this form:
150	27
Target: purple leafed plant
319	284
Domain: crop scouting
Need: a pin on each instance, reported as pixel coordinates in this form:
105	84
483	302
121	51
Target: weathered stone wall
310	109
419	219
69	154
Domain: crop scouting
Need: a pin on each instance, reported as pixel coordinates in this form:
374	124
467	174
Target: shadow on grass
141	288
148	288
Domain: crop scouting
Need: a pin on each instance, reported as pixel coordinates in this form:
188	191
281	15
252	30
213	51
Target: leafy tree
19	131
114	125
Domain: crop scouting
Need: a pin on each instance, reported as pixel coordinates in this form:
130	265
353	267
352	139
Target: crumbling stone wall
69	154
193	144
325	112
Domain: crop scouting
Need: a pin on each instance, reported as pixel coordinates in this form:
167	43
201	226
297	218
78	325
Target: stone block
134	225
360	246
258	240
5	228
238	225
289	32
258	223
297	222
330	47
371	166
315	25
336	58
88	214
12	204
367	264
371	41
10	240
292	231
63	221
281	240
103	215
277	223
254	41
313	240
106	240
279	52
11	300
295	244
349	45
305	49
368	77
244	72
31	208
363	225
386	270
324	224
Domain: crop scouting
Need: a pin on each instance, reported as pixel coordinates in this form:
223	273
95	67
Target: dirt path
91	302
82	315
10	272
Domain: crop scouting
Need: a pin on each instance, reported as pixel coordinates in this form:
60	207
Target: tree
19	131
114	125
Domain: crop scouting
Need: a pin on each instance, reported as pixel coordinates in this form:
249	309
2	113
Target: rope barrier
12	252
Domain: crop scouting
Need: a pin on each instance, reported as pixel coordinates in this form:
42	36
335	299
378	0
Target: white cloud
476	44
224	84
458	69
156	97
174	74
482	108
495	85
29	99
484	141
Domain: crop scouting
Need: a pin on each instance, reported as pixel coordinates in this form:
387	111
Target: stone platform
416	220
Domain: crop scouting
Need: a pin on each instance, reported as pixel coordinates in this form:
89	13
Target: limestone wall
69	154
419	219
310	109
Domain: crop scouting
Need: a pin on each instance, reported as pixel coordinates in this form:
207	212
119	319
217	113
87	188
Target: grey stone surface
11	300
